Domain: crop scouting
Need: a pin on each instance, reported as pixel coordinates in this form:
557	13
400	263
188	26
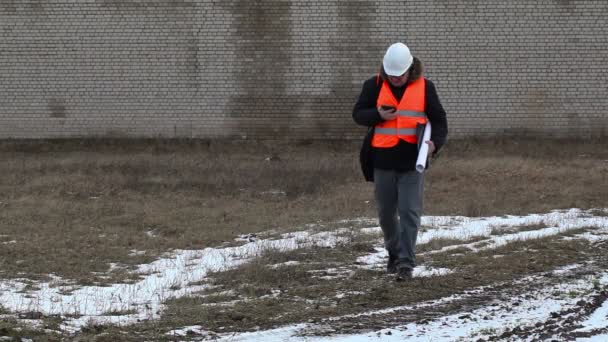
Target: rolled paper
424	149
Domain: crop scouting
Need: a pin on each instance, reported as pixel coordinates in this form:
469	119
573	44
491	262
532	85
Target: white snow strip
427	304
341	295
163	279
597	236
359	221
284	264
374	260
191	330
273	335
597	320
465	228
274	192
596	338
371	230
425	271
135	252
377	260
566	269
332	273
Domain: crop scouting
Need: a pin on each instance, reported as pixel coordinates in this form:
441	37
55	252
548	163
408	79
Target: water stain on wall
263	47
355	43
355	52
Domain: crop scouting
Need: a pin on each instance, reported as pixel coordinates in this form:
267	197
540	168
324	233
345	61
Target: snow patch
285	264
597	320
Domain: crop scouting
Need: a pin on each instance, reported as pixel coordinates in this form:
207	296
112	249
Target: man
397	103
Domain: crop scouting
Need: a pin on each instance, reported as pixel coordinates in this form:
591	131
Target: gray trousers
399	201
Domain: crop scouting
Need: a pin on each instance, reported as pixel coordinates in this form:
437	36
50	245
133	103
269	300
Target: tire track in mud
498	301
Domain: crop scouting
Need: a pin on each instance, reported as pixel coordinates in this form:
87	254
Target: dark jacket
401	157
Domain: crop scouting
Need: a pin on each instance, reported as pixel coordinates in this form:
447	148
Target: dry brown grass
499	176
72	211
74	207
18	332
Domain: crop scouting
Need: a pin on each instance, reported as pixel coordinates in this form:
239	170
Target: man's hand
431	147
387	114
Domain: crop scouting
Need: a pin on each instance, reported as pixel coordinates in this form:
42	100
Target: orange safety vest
410	112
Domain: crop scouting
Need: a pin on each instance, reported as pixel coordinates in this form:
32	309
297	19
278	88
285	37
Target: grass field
87	213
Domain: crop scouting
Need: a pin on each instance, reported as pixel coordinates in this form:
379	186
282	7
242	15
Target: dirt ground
89	212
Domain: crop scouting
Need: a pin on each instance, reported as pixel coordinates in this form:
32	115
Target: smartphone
388	107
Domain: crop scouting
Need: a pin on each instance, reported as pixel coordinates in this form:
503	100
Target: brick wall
276	68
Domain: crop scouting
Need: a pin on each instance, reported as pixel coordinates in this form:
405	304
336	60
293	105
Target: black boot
391	266
404	274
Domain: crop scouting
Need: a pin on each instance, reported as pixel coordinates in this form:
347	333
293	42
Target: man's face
398	81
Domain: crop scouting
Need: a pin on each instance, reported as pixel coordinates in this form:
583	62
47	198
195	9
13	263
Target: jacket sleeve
365	112
436	114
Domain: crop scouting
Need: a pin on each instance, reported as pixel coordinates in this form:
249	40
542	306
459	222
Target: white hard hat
397	59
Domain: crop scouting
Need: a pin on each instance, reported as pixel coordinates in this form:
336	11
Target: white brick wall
275	68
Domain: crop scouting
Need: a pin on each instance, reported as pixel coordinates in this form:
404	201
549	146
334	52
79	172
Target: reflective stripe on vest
396	131
410	113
